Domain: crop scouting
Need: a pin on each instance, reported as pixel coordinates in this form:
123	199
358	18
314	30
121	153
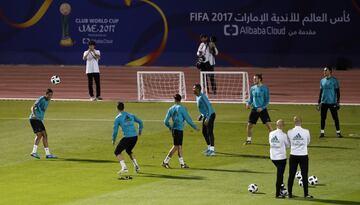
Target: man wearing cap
329	98
178	114
207	115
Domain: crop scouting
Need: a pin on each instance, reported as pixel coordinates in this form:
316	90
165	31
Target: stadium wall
298	33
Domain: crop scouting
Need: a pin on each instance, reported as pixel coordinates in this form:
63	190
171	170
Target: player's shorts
37	125
126	143
177	137
254	116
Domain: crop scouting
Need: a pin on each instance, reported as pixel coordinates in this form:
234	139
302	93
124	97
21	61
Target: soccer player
258	101
92	57
126	122
329	98
178	114
299	141
207	115
279	141
36	121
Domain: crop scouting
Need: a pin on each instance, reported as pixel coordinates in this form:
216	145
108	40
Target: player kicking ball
36	121
126	122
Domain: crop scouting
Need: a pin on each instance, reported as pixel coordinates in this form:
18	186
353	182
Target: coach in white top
92	57
278	141
299	140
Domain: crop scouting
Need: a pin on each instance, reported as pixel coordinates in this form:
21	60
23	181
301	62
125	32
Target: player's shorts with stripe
254	116
126	143
37	125
177	136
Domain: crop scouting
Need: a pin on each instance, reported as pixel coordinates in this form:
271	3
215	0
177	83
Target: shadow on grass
352	138
328	201
86	160
164	176
328	147
241	155
231	170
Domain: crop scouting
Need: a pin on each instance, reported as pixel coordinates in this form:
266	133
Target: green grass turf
80	134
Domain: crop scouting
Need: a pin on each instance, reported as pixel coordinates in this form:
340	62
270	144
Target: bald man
279	141
299	140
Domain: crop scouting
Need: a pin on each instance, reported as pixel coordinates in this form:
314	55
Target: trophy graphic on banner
65	10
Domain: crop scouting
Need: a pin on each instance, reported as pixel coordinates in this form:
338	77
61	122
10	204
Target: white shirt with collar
278	141
92	65
212	55
203	50
299	140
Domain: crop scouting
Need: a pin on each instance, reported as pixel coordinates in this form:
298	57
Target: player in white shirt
279	141
299	140
92	57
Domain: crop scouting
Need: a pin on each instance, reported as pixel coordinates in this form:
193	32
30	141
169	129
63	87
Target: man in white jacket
279	141
299	140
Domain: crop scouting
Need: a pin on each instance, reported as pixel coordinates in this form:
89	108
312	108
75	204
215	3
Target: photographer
213	52
203	63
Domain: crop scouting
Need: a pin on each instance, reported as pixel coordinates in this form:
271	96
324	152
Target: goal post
225	86
160	85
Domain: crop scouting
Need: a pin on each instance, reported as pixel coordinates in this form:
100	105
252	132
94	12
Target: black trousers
96	77
280	169
304	167
334	114
208	130
211	77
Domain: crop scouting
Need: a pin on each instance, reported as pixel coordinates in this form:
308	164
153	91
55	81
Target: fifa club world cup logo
65	10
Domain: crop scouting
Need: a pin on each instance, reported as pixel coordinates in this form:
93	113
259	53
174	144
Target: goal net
160	85
225	86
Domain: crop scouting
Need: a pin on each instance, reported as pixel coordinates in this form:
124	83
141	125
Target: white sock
209	147
212	148
47	151
248	139
181	160
337	131
135	163
322	131
34	149
167	159
122	164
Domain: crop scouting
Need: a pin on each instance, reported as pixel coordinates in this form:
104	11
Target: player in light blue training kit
208	118
329	98
258	101
178	114
36	121
126	122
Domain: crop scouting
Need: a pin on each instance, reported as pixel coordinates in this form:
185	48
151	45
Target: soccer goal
160	85
225	86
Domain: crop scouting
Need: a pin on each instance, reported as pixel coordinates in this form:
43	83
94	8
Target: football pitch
86	171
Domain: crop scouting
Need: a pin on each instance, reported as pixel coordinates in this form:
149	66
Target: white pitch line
154	120
213	101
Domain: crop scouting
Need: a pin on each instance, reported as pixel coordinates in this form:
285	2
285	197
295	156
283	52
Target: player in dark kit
329	98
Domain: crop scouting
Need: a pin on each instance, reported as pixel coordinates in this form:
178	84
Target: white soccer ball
55	80
253	188
283	190
313	180
301	182
298	175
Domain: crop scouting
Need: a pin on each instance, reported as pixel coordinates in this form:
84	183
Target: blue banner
280	33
